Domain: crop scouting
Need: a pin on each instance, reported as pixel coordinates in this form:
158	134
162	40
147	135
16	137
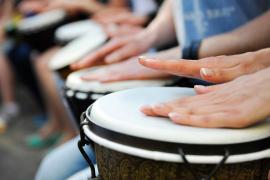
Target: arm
160	32
252	36
7	10
118	3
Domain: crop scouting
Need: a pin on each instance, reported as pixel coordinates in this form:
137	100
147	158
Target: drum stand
211	174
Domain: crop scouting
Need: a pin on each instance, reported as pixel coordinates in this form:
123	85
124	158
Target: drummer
54	104
218	34
159	33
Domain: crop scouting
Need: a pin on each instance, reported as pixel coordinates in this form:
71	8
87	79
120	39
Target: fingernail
174	115
207	72
142	58
199	87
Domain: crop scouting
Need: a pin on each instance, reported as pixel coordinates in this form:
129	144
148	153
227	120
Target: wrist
147	38
150	36
93	8
262	56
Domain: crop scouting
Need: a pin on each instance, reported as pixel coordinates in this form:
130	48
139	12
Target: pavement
17	162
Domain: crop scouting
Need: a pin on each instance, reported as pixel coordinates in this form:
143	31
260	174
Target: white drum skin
76	50
72	31
41	21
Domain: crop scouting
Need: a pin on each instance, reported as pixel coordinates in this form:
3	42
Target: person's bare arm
7	10
162	28
249	37
118	3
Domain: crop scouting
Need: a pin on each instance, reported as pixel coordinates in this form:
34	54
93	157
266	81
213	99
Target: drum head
74	30
75	82
120	112
77	49
42	20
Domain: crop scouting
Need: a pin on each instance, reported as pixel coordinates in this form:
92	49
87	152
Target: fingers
91	77
122	54
216	120
187	68
216	75
213	69
98	55
207	117
206	89
147	110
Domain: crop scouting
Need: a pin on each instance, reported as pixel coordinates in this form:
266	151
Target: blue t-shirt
198	19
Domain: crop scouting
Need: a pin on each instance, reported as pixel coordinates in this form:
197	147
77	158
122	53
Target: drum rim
174	157
243	135
36	28
170	147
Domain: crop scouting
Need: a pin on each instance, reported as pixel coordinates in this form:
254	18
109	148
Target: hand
110	11
120	17
73	6
113	30
213	69
127	70
117	49
236	104
32	6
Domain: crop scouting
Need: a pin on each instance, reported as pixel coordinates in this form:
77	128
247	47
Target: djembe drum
131	146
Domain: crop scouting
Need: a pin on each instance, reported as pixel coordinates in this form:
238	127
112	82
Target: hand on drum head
32	6
114	31
117	49
120	17
127	70
236	104
75	6
213	69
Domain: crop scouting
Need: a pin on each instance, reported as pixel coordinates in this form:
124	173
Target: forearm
172	53
250	37
161	31
7	10
93	7
118	3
